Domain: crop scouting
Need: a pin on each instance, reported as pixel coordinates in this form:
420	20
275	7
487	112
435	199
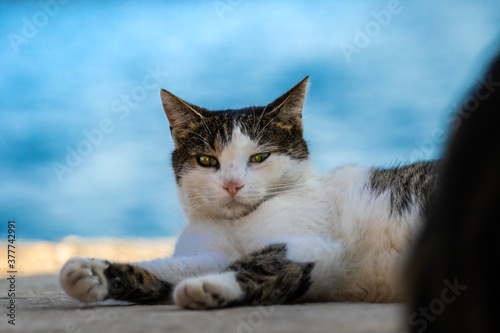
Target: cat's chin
235	210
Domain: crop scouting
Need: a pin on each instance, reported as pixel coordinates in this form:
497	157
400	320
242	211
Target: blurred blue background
85	145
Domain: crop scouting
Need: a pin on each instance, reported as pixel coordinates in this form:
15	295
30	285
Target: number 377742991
11	247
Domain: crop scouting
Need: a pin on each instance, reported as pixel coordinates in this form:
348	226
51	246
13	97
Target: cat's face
226	163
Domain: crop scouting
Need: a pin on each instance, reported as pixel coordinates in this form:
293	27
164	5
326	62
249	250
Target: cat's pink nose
232	188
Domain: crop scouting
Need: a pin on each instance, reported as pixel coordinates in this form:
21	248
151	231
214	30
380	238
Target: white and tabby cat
263	226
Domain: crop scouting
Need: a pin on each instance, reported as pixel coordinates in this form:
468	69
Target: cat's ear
288	107
180	115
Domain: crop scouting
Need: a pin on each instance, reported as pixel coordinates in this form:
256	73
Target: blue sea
85	145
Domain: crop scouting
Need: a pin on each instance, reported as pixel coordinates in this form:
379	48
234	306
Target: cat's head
226	163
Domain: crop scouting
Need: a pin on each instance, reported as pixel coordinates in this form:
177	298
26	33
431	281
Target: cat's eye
259	158
207	161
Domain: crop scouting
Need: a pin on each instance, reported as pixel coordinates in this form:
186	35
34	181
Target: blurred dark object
452	270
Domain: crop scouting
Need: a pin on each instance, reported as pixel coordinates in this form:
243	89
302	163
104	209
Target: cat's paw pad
84	279
208	292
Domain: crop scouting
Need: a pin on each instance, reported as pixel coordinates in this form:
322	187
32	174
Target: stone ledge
42	306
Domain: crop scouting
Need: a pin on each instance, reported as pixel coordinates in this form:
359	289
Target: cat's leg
93	280
149	282
277	274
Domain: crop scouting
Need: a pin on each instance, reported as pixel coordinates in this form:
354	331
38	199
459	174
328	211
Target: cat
451	273
263	227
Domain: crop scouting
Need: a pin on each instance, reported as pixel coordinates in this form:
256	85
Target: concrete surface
42	306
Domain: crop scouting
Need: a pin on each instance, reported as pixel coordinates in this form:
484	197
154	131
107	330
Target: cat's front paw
208	292
84	279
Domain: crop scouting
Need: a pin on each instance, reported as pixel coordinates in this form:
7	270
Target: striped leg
260	277
91	280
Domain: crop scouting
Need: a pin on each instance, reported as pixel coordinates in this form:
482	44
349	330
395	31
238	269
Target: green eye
207	161
259	158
